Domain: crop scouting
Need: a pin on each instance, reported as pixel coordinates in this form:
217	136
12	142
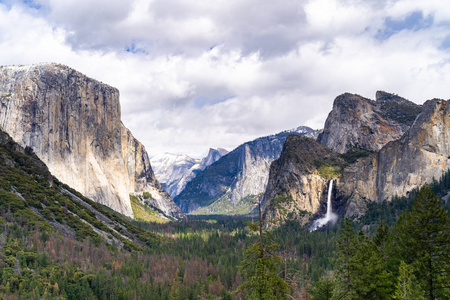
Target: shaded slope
73	124
239	175
174	171
30	195
298	179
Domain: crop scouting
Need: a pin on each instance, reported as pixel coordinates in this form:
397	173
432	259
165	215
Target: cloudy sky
195	74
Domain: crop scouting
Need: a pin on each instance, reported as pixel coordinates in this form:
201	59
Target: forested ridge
56	244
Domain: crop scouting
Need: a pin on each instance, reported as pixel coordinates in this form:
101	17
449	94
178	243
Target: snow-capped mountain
230	185
174	171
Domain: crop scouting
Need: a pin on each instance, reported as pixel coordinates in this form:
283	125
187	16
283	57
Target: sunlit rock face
400	146
358	123
298	179
421	154
73	124
238	175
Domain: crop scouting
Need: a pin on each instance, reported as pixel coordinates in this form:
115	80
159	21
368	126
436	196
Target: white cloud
199	74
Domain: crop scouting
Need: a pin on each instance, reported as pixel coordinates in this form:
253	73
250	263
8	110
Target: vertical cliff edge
298	179
421	154
379	149
73	124
357	123
232	183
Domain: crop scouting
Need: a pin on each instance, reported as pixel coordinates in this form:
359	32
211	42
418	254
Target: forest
56	244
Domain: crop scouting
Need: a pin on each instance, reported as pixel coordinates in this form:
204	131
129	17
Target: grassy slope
224	206
30	195
145	213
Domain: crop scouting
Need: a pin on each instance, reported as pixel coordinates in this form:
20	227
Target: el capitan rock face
358	123
73	124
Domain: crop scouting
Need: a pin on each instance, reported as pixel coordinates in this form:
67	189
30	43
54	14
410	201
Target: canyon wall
73	124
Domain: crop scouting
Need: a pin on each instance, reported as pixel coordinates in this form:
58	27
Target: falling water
329	208
330	216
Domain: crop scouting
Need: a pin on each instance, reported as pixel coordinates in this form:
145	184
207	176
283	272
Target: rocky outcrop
73	124
174	171
240	174
213	156
421	154
358	123
408	146
298	179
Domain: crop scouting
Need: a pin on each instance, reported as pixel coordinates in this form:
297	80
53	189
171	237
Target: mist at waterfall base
329	216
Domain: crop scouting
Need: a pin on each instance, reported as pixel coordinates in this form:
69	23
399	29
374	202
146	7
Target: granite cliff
357	123
386	147
298	179
421	154
174	171
73	124
230	185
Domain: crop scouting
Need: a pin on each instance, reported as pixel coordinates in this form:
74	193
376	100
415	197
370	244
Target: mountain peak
385	96
230	185
72	123
174	171
358	123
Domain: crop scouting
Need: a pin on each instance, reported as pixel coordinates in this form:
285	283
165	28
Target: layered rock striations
174	171
298	179
73	124
239	175
421	154
408	146
357	123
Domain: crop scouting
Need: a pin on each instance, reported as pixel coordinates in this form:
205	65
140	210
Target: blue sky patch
32	4
445	43
135	49
201	101
413	22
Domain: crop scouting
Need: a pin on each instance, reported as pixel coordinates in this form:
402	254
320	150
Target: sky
198	74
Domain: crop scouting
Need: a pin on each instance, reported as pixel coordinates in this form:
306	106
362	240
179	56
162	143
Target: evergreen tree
260	266
381	238
323	289
407	286
360	267
345	269
372	280
421	238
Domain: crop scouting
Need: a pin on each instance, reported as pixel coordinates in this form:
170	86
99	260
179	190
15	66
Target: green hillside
56	244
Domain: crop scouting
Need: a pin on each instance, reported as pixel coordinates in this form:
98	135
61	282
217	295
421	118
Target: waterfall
329	208
329	216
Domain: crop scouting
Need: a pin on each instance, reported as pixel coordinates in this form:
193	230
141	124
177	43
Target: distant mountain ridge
174	171
226	186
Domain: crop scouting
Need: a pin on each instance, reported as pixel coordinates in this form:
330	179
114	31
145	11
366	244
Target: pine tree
407	287
260	266
421	238
372	280
323	289
345	270
360	268
381	238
